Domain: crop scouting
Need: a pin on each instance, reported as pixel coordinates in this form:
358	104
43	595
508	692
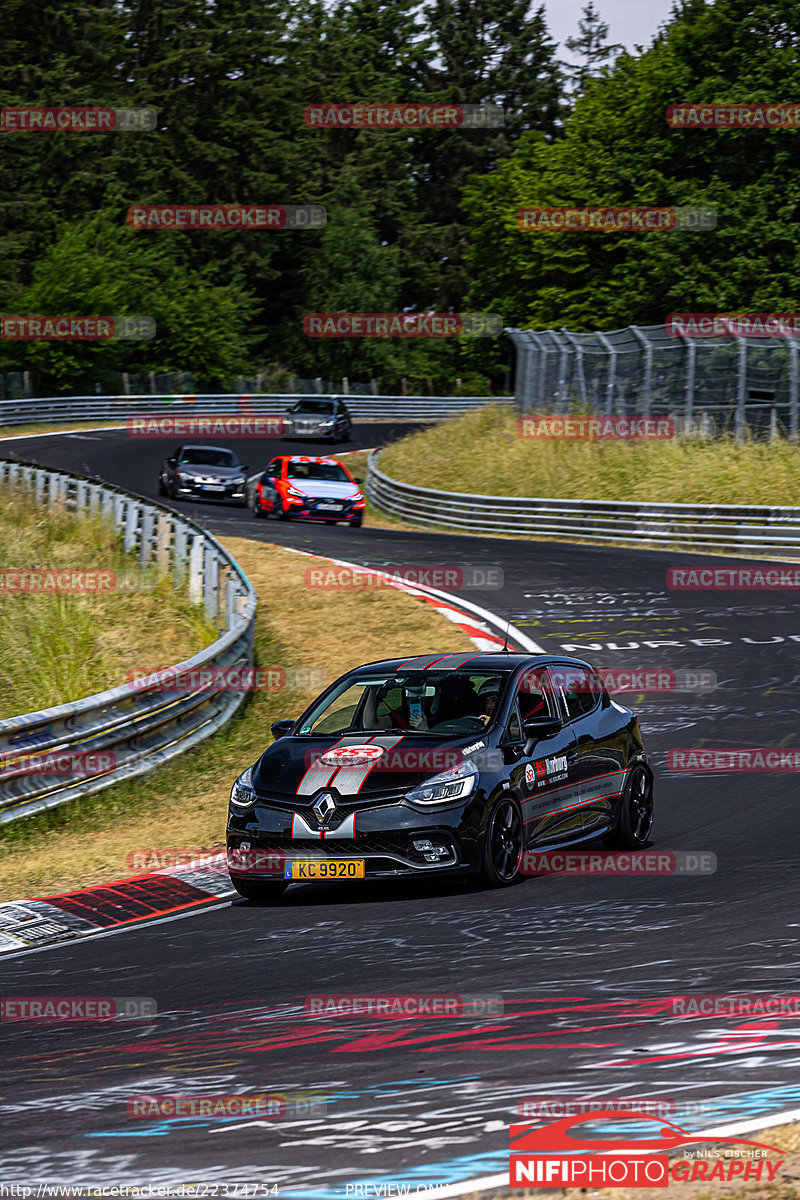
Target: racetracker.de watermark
589	429
398	1006
624	679
385	116
81	764
634	862
51	581
757	1004
76	329
450	577
629	219
64	119
395	758
209	425
229	679
741	324
402	325
227	216
733	116
76	1009
272	1105
733	579
756	758
567	1106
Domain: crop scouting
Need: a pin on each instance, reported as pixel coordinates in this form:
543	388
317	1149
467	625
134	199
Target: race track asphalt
586	966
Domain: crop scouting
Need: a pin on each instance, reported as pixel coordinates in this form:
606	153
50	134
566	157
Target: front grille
384	846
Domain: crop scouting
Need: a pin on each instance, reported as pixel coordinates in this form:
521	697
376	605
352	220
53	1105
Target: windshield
331	471
196	456
423	702
313	406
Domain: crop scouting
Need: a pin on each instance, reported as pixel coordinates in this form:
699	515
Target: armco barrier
726	527
61	409
136	729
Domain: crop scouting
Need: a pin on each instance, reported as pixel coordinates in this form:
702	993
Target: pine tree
592	47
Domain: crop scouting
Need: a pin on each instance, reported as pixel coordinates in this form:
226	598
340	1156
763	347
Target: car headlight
243	793
239	479
454	784
293	491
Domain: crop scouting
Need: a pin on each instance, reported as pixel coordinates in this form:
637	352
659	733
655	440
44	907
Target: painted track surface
584	964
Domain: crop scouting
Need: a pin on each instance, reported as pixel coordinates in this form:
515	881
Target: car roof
200	446
310	458
470	663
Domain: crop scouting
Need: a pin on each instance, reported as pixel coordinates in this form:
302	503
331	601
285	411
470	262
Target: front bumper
207	491
383	836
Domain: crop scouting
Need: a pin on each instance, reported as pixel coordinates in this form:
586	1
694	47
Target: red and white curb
107	907
475	621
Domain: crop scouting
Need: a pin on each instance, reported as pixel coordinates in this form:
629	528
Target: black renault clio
440	763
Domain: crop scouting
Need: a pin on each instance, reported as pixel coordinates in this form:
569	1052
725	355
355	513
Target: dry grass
59	647
183	805
481	453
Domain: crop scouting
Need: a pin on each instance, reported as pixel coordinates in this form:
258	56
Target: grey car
205	472
322	420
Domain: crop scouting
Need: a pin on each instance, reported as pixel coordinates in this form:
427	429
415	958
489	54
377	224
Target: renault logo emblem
324	807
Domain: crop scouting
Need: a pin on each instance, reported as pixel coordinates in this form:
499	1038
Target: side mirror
537	729
244	466
281	728
357	479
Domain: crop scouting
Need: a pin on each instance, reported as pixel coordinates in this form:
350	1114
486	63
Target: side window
530	701
579	688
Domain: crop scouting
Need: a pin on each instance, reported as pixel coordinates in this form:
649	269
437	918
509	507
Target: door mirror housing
357	479
537	729
281	728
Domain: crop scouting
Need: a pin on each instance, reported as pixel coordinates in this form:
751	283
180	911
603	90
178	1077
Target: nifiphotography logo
551	1156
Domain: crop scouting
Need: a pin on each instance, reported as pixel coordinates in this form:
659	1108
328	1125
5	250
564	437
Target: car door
269	483
171	466
542	773
599	739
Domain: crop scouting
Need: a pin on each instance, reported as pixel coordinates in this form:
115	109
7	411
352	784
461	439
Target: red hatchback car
317	489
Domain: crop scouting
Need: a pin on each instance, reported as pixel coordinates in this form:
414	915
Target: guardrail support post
210	575
145	545
196	569
164	541
131	523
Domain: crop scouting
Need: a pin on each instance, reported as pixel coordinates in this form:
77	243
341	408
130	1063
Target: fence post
691	350
648	367
611	379
578	348
741	397
792	348
345	385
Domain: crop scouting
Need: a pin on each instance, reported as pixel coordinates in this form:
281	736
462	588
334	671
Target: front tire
356	522
502	845
262	891
257	509
635	819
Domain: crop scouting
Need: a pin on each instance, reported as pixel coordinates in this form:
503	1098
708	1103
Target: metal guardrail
130	730
60	409
727	527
